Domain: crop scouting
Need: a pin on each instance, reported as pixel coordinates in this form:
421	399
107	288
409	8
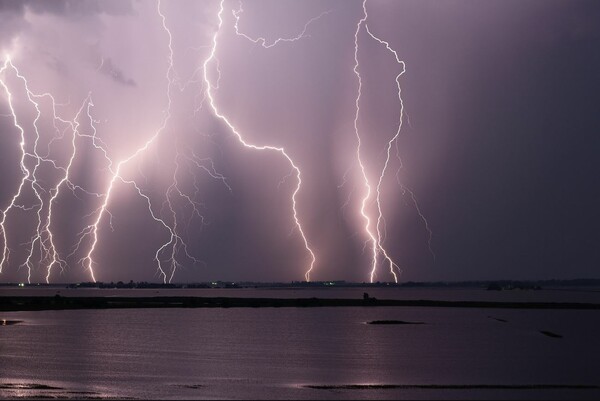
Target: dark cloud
109	69
8	6
68	7
12	13
506	163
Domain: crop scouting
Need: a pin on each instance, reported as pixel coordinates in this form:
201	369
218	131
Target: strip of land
57	302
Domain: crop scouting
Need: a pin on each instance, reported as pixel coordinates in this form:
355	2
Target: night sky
499	141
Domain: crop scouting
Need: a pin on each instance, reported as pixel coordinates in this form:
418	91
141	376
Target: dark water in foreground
279	352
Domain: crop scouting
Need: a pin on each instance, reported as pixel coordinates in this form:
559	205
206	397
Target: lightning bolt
350	193
167	255
92	230
377	236
65	180
394	141
380	218
280	150
375	247
262	41
34	181
27	173
43	235
175	243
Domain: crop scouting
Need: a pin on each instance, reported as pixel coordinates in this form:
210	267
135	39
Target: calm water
276	352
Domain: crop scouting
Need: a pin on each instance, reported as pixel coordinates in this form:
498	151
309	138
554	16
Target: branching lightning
394	141
375	244
280	150
43	238
24	170
175	241
377	236
42	198
65	180
262	41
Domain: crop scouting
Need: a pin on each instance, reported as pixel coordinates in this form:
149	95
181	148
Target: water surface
301	353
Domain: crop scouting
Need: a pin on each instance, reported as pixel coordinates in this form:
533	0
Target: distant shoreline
498	284
57	302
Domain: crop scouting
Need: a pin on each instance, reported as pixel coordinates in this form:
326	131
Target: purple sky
499	141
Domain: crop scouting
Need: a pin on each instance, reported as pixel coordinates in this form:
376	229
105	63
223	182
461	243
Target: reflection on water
301	353
6	322
36	390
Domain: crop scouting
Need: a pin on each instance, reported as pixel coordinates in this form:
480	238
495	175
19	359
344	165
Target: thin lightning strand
182	195
199	163
174	191
175	243
350	193
233	129
367	195
262	41
55	257
380	219
43	235
97	143
176	240
88	260
422	217
26	172
34	181
378	239
394	141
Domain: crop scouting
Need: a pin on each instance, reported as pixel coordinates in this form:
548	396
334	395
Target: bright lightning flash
33	160
222	117
377	236
43	238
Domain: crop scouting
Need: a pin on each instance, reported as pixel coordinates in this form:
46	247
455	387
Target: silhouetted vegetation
20	303
490	285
